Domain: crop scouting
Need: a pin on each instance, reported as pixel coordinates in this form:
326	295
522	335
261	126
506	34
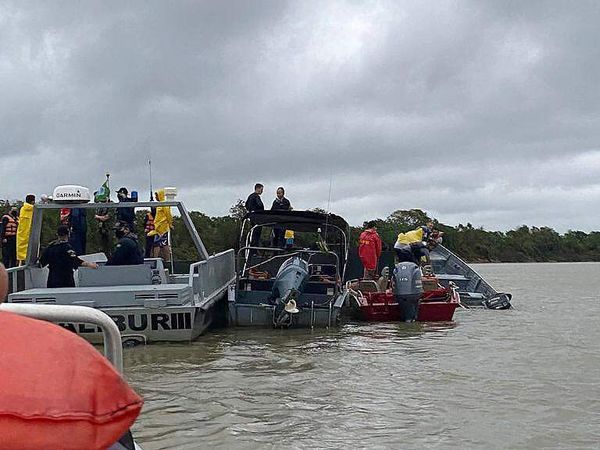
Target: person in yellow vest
163	222
24	229
8	234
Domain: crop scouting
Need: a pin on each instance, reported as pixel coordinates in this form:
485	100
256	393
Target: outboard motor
498	301
408	289
289	284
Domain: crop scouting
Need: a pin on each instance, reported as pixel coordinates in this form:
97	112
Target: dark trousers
255	238
9	252
278	237
105	243
149	245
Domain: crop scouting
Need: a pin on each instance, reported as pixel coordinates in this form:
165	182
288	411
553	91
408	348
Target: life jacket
11	227
149	223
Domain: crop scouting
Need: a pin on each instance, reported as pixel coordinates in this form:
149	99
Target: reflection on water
524	378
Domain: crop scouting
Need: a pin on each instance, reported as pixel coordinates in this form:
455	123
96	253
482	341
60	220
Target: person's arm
274	205
379	245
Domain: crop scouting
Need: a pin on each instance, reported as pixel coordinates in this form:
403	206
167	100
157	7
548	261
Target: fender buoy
58	391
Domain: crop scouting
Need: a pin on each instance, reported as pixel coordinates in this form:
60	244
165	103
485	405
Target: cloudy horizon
479	112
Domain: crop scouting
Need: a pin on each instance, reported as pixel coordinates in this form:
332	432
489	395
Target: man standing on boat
280	204
254	203
24	230
369	250
8	234
62	260
126	214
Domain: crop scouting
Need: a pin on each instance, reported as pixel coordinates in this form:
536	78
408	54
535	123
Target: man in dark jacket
127	252
62	260
126	214
280	204
254	203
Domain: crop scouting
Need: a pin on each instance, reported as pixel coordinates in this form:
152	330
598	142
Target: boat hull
264	316
382	307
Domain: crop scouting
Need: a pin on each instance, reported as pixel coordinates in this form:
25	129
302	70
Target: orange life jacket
11	226
149	223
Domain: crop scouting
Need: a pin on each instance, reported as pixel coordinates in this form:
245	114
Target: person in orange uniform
369	250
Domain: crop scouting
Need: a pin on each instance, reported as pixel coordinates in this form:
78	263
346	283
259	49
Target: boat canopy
297	220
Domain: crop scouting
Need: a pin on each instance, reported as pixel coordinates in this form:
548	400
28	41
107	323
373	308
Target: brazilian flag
103	194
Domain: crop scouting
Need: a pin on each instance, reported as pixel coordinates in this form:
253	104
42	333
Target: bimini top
297	220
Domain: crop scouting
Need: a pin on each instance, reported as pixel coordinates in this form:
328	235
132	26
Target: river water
524	378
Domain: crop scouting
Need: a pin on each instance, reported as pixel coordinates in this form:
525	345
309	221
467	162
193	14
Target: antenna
328	204
150	173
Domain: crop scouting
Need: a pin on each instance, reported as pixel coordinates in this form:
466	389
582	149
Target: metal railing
213	276
78	314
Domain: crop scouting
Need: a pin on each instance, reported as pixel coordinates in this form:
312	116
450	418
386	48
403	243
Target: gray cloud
481	112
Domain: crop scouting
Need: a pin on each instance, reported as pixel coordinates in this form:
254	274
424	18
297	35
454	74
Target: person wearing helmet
127	251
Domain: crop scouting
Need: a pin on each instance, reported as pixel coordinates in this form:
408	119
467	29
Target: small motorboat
474	290
375	301
295	285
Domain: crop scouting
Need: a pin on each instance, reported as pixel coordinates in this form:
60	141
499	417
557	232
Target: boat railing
113	349
211	277
288	254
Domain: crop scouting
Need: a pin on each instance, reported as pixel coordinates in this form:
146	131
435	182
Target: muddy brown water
524	378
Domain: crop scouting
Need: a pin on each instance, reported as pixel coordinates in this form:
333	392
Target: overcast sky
481	112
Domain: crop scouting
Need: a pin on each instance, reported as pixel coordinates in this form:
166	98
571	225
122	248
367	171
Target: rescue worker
254	203
413	245
280	204
163	222
369	250
24	229
62	260
126	214
127	252
415	252
8	234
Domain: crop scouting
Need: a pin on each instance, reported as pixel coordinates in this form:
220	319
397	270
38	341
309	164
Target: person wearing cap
62	260
8	235
126	214
369	250
127	251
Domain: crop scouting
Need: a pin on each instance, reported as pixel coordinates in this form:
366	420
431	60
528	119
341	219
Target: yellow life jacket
411	236
289	234
24	230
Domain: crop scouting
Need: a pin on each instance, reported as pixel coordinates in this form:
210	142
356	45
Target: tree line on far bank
522	244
